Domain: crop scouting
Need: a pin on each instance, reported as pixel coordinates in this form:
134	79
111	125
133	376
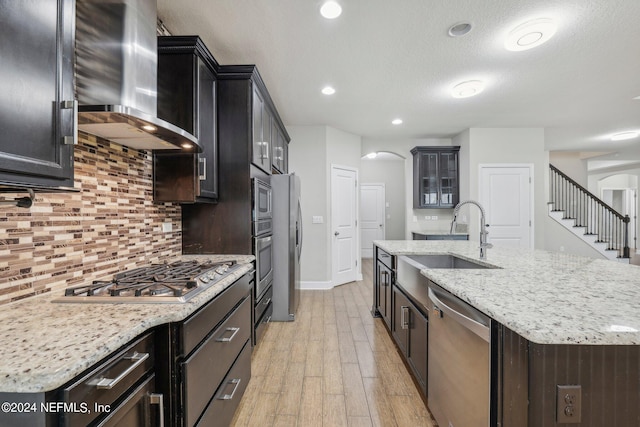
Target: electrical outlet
434	217
415	218
167	227
568	404
427	217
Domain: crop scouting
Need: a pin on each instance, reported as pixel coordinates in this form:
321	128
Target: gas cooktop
175	282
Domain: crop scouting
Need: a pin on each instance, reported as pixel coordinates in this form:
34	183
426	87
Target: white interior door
507	197
372	210
344	215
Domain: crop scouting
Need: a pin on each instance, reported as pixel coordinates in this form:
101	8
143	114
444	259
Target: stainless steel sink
446	261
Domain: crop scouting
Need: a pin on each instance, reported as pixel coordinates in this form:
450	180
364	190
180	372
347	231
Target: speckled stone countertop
546	297
45	344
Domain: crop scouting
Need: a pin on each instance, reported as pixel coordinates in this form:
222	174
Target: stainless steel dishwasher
459	381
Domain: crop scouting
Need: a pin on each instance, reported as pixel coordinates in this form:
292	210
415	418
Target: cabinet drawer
198	326
386	259
138	409
263	303
261	325
223	406
206	367
111	379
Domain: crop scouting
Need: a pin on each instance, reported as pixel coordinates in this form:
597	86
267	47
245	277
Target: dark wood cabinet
384	279
187	74
410	332
37	109
435	177
427	236
280	150
225	227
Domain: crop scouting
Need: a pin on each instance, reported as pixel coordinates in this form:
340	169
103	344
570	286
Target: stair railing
589	211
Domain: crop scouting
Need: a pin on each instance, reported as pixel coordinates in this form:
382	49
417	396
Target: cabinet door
285	156
417	348
448	179
207	135
276	148
385	280
36	124
267	129
428	180
400	325
257	122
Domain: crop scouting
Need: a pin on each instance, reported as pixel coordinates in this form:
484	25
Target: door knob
337	233
380	225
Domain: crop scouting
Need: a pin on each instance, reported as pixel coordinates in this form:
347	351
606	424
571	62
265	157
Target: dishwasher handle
477	328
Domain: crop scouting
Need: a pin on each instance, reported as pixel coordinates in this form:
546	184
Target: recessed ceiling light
460	29
624	135
328	90
372	155
396	121
330	10
467	89
187	145
530	34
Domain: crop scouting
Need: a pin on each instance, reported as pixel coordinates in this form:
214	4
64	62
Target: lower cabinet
384	277
409	330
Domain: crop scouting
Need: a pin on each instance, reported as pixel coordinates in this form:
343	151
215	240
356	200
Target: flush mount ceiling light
459	29
624	136
467	89
372	155
530	34
396	121
330	10
328	90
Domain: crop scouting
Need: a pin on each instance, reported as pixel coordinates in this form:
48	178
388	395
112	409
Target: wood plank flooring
334	366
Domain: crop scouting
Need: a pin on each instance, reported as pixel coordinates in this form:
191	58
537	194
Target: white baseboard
316	286
359	277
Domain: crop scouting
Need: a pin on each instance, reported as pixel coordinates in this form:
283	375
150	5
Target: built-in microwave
261	200
263	252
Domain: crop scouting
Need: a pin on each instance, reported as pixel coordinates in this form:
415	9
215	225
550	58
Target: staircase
588	217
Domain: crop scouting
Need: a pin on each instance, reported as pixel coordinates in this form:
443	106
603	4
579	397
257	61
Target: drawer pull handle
267	301
158	399
108	383
234	330
236	382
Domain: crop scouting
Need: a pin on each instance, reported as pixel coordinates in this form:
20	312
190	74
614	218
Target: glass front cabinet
435	177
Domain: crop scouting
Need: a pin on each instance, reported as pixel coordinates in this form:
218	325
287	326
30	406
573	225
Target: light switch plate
317	219
167	227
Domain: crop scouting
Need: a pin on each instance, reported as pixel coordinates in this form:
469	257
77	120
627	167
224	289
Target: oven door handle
108	383
158	399
234	332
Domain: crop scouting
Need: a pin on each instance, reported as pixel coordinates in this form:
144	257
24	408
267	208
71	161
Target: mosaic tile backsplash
110	225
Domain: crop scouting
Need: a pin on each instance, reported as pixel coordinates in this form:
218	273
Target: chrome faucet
483	226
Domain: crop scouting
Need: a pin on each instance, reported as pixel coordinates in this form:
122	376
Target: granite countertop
44	344
546	297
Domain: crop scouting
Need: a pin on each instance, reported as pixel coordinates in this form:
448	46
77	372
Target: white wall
391	174
312	151
403	147
571	164
506	145
308	159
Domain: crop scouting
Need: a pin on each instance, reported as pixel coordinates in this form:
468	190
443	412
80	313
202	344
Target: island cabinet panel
384	279
409	330
609	377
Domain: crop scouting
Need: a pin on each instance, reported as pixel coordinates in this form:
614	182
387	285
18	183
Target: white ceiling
394	58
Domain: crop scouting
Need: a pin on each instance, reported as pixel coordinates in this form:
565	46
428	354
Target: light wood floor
334	366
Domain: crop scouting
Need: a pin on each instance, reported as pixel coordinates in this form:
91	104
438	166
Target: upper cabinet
435	177
37	108
280	150
187	74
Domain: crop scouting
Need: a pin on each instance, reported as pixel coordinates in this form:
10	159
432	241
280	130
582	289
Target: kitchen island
558	320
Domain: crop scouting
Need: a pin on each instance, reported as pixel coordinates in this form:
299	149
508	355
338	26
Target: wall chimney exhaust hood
116	76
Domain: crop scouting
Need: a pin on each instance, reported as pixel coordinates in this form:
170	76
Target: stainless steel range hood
116	76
